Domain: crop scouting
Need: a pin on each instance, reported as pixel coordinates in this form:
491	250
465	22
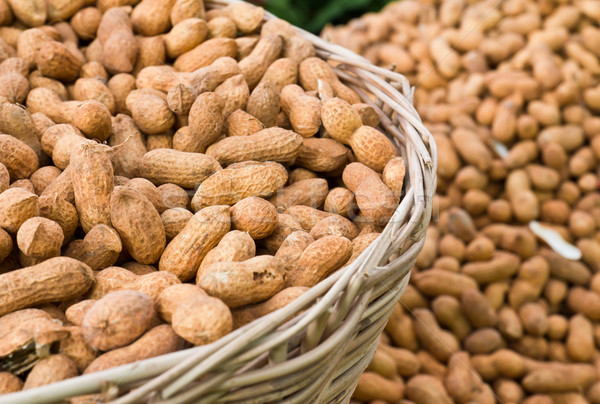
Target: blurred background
313	15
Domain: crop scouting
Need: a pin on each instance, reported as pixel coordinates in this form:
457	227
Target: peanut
92	177
233	184
117	319
50	370
249	281
138	224
159	340
255	216
31	286
184	254
196	317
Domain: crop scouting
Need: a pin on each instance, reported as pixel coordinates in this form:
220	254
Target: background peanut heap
511	92
168	174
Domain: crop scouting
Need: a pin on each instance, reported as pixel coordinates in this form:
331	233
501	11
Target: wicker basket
318	356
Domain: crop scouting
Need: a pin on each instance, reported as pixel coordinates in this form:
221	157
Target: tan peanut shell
77	311
266	51
282	72
235	246
138	224
149	190
94	120
92	176
393	175
306	216
6	244
50	370
245	315
322	155
340	119
55	279
174	220
205	53
248	281
116	278
158	341
201	319
42	177
285	226
100	248
313	69
56	61
62	212
77	349
234	93
292	247
264	103
372	148
4	178
272	144
185	36
10	383
19	159
171	297
16	206
117	319
29	325
163	166
310	192
304	111
340	201
231	185
241	123
255	216
247	17
374	199
173	196
206	123
39	237
334	225
184	254
319	259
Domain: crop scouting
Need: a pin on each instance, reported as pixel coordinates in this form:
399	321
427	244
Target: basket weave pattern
317	356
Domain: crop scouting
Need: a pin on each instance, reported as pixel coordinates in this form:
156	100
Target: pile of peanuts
169	174
511	92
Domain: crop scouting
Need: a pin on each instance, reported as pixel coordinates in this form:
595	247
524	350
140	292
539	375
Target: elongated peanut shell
235	246
92	176
184	254
231	185
138	224
20	159
319	259
205	53
56	279
340	119
255	216
158	341
272	144
240	283
117	319
322	155
164	166
206	123
372	148
201	319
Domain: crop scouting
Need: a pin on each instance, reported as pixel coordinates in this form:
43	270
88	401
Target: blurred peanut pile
169	174
511	92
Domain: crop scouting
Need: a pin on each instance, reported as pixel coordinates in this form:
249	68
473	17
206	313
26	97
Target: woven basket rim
395	94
